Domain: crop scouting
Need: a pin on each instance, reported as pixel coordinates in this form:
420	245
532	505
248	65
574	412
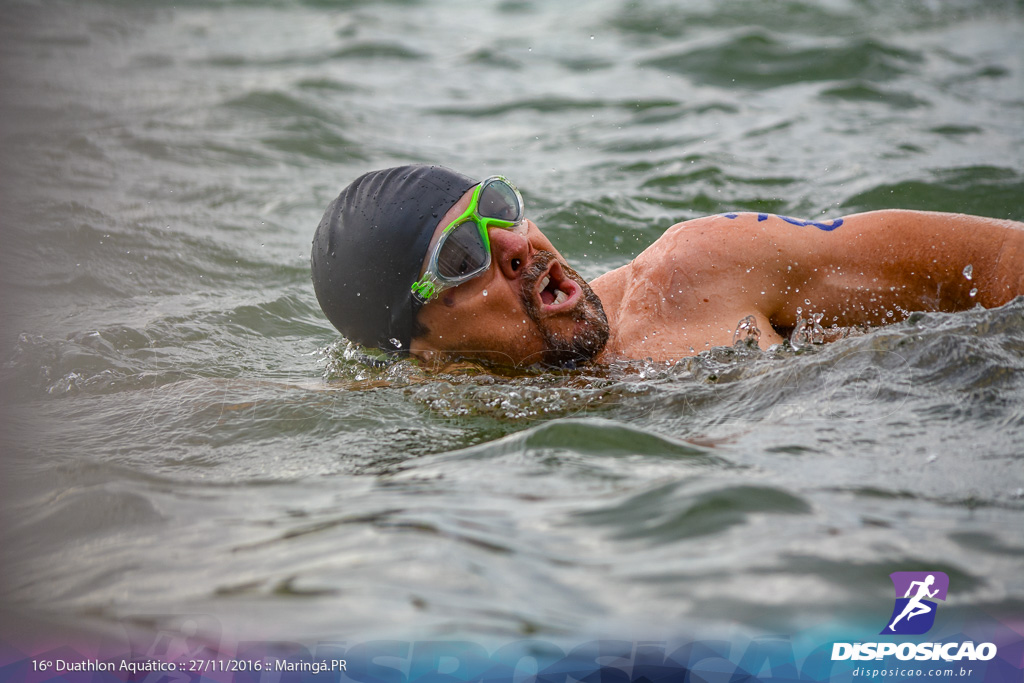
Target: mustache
534	270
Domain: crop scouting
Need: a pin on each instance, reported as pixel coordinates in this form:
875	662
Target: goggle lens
463	252
500	200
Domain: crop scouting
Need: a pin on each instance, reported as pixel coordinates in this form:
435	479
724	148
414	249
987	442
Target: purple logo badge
914	611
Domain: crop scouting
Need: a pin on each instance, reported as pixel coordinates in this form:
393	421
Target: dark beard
593	330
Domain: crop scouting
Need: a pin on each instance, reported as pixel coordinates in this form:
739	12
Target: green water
185	432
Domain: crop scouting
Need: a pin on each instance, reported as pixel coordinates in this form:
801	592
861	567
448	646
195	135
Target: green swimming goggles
464	250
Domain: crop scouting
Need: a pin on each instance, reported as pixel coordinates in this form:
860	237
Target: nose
510	250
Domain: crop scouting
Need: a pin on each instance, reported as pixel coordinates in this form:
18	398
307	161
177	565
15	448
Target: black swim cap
369	248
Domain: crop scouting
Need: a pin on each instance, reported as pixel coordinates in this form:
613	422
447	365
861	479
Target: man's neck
609	289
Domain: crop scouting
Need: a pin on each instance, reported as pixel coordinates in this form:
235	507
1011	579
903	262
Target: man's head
369	246
393	229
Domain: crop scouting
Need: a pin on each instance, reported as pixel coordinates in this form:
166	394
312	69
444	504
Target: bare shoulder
689	288
693	242
695	268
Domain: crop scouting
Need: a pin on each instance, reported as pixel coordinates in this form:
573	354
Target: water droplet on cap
969	271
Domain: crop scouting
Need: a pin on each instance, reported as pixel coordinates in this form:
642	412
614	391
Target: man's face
528	307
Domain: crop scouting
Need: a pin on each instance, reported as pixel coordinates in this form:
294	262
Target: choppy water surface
186	433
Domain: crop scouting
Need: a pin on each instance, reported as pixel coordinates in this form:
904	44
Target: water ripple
676	512
758	60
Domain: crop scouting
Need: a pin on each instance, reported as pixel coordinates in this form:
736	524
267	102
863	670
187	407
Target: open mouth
555	291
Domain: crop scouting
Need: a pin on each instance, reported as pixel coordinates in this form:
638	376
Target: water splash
346	362
746	332
470	391
807	331
817	331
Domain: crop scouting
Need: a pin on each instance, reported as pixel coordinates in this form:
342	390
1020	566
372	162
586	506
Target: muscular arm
883	262
694	284
865	268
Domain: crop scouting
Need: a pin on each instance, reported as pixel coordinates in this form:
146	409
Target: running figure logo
914	613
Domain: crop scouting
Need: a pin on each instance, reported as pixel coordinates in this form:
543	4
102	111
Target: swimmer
423	260
915	607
